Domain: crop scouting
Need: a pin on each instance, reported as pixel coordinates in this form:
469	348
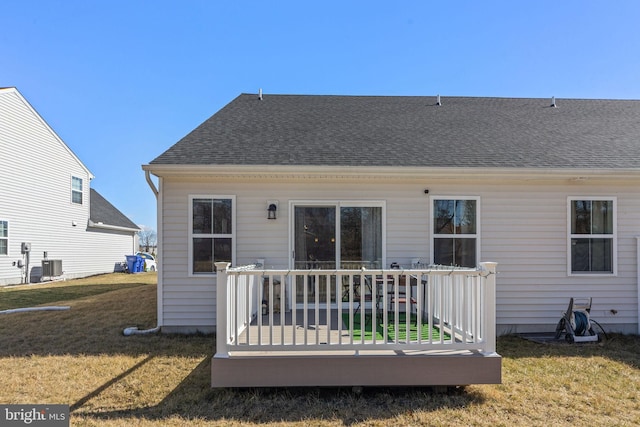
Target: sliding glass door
338	235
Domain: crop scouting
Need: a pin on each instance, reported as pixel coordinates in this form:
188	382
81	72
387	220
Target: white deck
320	341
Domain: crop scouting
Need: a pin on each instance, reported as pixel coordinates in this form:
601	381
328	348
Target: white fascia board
112	227
391	172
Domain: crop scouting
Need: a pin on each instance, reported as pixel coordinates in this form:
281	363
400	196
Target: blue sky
121	81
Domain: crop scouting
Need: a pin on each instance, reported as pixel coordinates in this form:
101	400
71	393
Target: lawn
79	357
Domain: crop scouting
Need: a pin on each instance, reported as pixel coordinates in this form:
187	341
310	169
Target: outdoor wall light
272	208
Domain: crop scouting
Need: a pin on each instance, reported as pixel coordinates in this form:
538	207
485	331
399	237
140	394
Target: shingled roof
415	131
104	213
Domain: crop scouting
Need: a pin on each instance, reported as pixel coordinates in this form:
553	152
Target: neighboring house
550	190
48	211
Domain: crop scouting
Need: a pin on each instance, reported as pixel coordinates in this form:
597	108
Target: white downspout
638	278
134	329
147	176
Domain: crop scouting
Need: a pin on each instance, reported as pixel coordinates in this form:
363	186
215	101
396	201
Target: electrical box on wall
26	247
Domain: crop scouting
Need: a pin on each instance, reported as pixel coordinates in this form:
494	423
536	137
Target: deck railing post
489	272
222	330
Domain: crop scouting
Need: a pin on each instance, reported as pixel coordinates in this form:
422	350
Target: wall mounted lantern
272	208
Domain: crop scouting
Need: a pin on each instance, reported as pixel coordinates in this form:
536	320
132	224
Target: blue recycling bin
135	263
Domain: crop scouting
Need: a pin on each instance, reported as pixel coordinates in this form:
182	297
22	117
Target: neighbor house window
455	231
76	190
211	232
4	238
592	235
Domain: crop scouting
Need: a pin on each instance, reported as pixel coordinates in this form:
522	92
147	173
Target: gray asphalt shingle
414	131
101	211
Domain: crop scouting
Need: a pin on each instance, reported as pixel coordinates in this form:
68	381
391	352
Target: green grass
48	293
80	358
391	328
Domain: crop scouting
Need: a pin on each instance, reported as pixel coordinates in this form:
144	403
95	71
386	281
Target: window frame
5	237
434	236
192	235
613	237
75	191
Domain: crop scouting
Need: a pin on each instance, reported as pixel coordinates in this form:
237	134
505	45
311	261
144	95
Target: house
548	189
52	223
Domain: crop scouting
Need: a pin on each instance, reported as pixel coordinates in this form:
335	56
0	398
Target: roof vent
438	100
553	102
260	94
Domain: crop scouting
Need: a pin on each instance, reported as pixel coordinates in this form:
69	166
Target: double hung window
211	229
76	190
455	223
592	235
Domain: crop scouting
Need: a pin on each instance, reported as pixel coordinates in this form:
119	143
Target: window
592	237
211	232
4	238
455	231
76	190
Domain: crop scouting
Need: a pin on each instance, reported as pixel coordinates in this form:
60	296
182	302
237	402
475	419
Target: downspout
134	329
147	176
638	278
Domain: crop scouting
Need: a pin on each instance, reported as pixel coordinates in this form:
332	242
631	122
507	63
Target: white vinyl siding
523	227
592	245
36	203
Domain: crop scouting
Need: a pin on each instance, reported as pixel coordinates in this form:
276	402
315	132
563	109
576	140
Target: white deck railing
321	309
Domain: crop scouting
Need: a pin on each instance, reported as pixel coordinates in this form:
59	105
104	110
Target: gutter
111	227
575	175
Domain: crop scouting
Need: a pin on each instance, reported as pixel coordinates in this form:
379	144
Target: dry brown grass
80	358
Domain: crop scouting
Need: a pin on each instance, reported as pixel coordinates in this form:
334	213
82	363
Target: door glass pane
361	237
315	237
315	248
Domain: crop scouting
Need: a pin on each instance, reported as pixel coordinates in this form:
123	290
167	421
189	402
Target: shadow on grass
94	326
33	297
194	399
